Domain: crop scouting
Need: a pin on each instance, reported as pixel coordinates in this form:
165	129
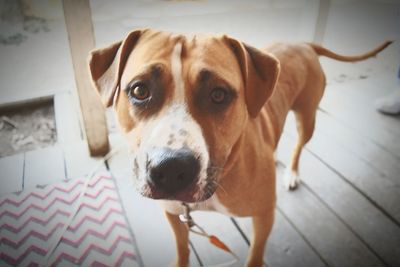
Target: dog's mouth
191	194
197	191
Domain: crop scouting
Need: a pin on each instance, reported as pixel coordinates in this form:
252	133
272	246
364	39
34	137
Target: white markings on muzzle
177	129
174	127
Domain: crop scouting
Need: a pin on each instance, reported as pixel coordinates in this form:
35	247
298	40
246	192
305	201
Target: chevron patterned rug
99	234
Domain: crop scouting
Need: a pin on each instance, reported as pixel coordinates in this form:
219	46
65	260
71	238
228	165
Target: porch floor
345	213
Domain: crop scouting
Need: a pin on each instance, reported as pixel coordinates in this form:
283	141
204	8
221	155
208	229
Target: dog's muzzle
172	174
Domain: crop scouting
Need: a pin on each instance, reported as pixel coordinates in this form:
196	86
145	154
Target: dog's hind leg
305	120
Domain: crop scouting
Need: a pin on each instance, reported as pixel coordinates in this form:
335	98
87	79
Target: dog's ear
260	72
107	64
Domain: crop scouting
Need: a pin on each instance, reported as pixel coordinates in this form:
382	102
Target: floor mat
99	234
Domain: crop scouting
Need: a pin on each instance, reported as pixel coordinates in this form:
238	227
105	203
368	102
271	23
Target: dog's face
183	103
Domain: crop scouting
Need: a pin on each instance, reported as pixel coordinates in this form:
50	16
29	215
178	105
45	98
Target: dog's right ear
260	72
107	64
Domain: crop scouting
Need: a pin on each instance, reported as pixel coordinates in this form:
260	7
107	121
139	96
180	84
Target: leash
194	228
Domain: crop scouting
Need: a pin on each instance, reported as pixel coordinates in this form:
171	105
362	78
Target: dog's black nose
173	170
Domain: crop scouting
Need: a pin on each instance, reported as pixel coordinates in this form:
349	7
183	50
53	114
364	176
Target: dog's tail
322	51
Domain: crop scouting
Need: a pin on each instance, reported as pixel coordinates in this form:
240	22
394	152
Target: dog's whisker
216	168
220	186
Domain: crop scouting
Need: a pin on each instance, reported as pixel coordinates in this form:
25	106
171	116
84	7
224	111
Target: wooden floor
345	213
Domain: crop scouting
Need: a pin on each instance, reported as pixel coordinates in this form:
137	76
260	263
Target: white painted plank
378	231
11	173
378	158
78	161
119	162
334	241
152	232
44	166
356	110
346	142
380	189
67	119
359	97
285	246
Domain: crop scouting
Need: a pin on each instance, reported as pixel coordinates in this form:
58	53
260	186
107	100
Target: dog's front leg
182	240
262	225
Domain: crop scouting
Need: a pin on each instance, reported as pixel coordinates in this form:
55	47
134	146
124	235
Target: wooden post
322	18
78	19
313	21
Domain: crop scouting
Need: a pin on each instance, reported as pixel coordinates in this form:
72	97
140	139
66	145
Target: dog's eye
218	95
139	92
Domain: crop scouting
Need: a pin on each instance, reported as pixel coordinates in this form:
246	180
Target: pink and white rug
99	234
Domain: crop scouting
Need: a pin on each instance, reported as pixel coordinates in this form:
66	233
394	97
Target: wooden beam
322	18
78	20
313	21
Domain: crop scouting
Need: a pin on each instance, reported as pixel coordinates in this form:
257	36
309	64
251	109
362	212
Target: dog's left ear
107	64
260	72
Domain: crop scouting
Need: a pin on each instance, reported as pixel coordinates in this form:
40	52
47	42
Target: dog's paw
290	179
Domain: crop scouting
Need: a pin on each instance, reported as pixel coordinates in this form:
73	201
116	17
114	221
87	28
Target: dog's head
183	103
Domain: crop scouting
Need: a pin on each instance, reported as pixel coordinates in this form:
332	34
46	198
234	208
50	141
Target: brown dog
203	115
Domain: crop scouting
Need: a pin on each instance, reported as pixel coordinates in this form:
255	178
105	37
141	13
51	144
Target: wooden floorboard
376	186
345	103
380	234
44	166
359	96
286	246
78	162
67	119
334	241
12	171
346	212
379	159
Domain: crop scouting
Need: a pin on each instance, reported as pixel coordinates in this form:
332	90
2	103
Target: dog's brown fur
243	139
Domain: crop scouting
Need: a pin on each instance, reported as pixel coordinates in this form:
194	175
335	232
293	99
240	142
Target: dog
203	115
